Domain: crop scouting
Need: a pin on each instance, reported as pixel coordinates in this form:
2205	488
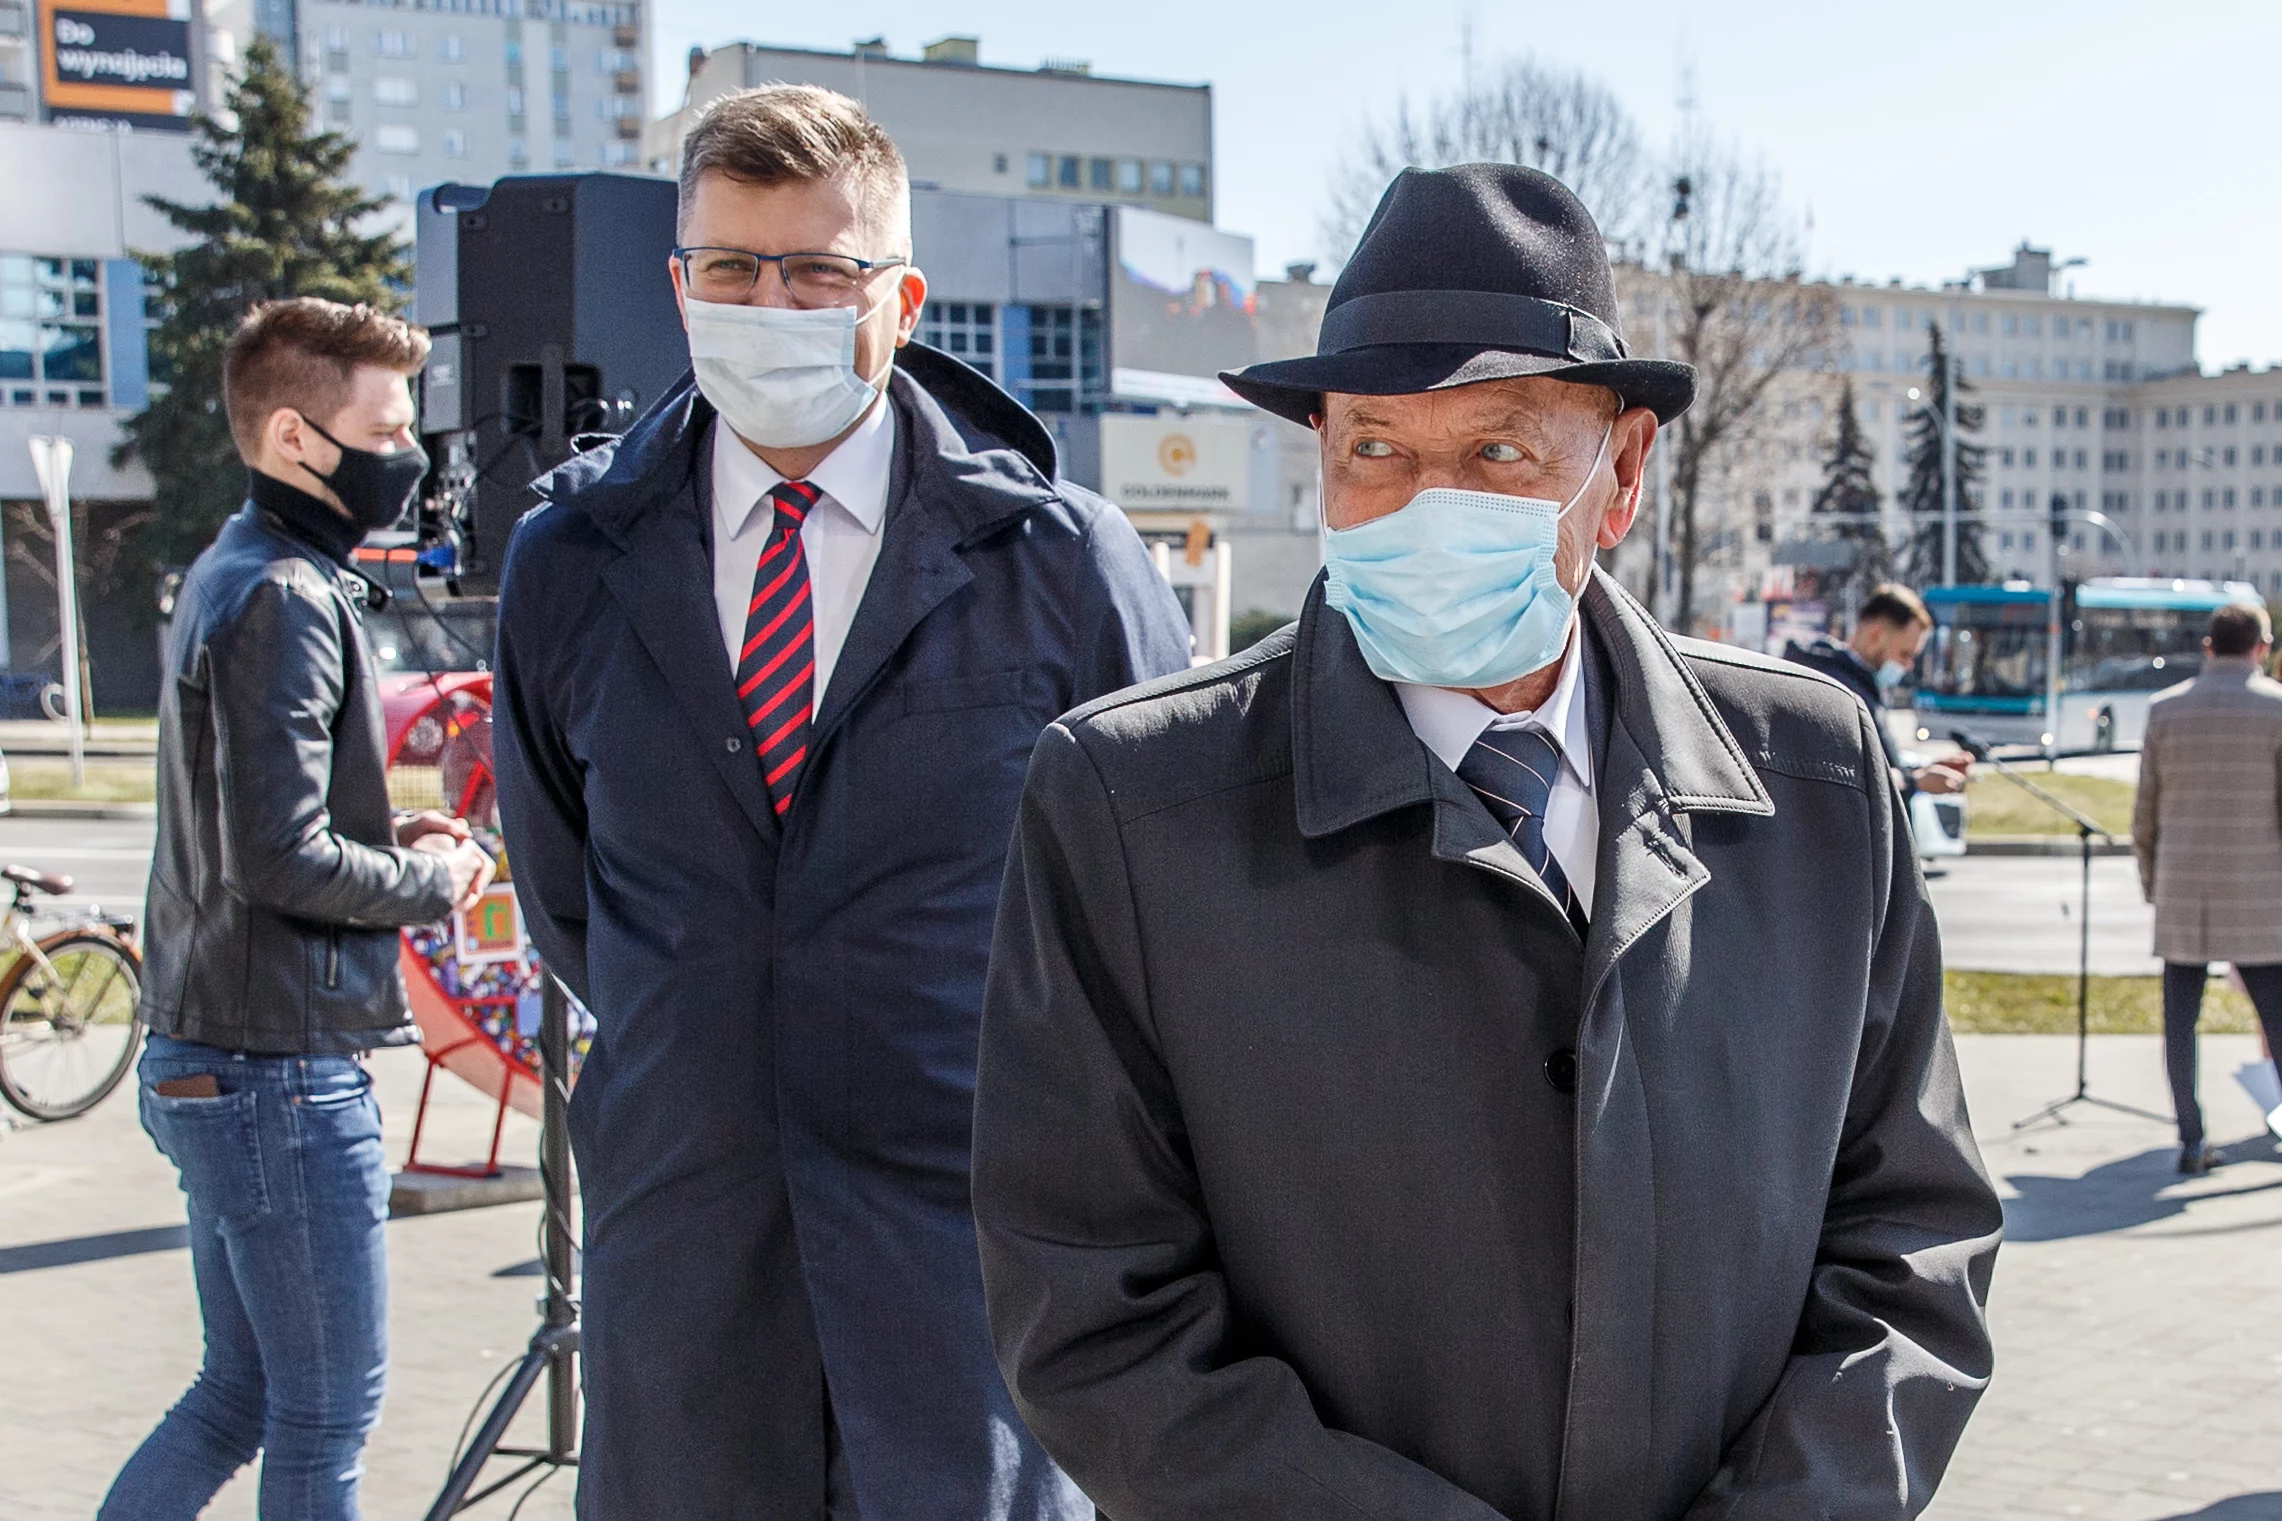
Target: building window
455	143
395	45
1129	178
396	137
1040	170
451	49
2230	413
968	329
395	90
2226	498
1160	178
1192	181
1068	178
998	163
618	154
455	95
514	100
518	155
564	157
1064	357
1100	174
51	331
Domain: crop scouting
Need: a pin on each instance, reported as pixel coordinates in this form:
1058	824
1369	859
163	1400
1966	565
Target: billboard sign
120	65
1172	463
1182	307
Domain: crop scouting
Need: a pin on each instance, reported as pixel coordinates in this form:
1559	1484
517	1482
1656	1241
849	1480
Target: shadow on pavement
2115	1196
75	1249
2263	1507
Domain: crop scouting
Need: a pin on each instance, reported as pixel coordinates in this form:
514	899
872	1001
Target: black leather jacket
277	886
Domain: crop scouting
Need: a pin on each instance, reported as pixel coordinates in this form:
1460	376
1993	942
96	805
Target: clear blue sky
1925	138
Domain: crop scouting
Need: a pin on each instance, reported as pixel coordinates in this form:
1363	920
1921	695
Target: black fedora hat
1482	272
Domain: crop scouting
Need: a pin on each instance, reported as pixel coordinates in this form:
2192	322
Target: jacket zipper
332	958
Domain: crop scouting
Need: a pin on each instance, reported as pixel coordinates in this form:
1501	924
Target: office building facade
1058	133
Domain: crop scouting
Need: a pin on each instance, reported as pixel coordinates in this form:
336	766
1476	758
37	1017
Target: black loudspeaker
553	317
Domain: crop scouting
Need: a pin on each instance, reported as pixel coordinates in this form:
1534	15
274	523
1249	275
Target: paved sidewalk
102	1324
2139	1373
2140	1352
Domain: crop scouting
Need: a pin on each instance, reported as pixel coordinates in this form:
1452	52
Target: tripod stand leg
470	1467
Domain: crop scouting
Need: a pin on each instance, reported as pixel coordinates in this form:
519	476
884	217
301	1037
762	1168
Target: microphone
1977	748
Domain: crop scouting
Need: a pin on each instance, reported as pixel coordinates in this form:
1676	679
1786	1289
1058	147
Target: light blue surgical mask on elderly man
1457	588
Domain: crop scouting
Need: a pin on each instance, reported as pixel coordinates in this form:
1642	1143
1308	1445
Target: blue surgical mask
1458	588
1891	675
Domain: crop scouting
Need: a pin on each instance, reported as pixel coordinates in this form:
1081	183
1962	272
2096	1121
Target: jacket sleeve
542	795
276	676
1135	630
1892	1349
2147	805
1107	1305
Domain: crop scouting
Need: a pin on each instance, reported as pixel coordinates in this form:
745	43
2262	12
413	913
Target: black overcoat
772	1126
1261	1222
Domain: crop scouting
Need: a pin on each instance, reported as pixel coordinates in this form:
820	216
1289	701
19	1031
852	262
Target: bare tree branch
1738	310
1560	120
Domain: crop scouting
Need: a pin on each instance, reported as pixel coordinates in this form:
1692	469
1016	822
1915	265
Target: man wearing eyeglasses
770	671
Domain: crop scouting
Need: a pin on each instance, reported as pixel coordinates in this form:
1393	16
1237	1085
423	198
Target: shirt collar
1448	721
855	475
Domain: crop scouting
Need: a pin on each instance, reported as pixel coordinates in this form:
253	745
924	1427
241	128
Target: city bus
2002	657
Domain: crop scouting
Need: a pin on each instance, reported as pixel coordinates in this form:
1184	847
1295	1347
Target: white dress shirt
840	536
1449	721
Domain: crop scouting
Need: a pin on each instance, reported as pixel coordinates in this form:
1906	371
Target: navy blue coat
772	1126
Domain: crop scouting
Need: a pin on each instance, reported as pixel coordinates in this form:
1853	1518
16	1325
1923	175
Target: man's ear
681	296
911	292
288	434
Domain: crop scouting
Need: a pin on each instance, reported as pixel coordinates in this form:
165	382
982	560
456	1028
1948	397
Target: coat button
735	744
1561	1070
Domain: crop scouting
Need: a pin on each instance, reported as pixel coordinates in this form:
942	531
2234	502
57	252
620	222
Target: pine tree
284	223
1848	498
1922	495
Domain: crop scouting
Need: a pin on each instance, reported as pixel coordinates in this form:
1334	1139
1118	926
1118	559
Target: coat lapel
940	497
663	584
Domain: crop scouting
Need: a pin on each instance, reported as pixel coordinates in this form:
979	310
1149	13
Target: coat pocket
989	689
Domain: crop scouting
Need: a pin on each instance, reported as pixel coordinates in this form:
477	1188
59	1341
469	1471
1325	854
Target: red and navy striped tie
776	667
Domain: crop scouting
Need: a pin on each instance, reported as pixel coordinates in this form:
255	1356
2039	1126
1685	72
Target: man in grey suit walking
2208	833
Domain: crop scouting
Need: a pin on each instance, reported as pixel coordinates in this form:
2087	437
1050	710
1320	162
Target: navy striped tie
1512	771
776	666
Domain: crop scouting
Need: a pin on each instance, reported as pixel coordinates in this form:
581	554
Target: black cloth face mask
374	488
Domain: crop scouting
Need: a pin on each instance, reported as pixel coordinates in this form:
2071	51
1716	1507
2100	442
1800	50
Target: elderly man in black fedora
1474	1055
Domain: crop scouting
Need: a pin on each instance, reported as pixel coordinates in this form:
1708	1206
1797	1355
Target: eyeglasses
812	279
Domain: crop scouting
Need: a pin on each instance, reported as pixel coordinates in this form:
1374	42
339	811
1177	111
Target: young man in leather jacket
278	884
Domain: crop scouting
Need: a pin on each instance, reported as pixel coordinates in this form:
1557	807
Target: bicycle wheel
66	1040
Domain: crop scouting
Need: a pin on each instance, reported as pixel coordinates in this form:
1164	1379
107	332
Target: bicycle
69	1021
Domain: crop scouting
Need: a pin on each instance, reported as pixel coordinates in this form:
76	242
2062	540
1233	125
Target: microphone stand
2086	830
554	1345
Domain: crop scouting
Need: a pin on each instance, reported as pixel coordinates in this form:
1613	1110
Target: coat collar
1354	756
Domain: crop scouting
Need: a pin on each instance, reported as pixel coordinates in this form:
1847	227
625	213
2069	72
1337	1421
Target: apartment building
469	90
2098	404
1058	132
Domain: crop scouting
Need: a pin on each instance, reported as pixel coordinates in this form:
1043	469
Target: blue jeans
288	1193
